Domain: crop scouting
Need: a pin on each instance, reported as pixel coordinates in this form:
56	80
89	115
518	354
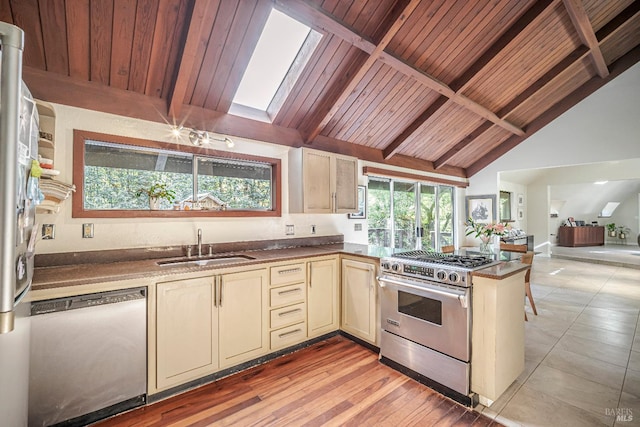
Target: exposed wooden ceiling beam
616	23
569	60
204	12
463	81
537	9
581	22
317	18
66	90
615	69
362	71
577	55
395	145
442	160
323	22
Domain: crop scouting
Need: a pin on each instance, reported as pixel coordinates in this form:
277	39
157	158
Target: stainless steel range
426	317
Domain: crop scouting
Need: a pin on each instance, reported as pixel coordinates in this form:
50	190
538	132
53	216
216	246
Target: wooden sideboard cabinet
581	236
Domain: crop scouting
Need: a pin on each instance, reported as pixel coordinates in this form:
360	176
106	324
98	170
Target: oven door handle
460	297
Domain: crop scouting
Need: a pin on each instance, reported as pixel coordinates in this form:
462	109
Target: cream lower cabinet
287	303
323	310
209	323
358	292
497	336
186	331
242	316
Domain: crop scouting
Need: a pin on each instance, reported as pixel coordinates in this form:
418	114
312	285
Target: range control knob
385	265
454	277
395	267
441	275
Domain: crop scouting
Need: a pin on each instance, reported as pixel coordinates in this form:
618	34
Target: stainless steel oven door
434	315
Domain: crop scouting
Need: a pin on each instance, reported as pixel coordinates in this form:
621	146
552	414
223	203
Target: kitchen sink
205	261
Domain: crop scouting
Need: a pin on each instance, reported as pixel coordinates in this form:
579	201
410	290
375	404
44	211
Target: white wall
115	233
604	127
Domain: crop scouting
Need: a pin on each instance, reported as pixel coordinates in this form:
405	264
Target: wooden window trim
77	207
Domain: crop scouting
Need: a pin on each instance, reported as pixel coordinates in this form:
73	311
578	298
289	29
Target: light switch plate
313	229
289	231
357	227
87	231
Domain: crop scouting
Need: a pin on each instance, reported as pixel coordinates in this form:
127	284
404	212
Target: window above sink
113	175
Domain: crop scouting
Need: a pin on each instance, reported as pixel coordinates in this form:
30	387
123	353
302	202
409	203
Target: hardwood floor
334	382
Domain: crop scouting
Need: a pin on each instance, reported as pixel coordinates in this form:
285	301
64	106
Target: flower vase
154	203
486	246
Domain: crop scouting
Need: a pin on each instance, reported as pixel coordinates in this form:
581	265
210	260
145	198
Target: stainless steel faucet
199	242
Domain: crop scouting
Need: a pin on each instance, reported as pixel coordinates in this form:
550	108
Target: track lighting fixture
199	138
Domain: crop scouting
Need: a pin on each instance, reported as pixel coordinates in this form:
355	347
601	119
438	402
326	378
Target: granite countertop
99	272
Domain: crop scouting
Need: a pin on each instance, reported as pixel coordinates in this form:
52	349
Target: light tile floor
582	350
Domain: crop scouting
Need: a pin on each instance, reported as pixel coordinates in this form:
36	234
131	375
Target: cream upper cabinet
322	297
359	299
322	182
186	331
243	316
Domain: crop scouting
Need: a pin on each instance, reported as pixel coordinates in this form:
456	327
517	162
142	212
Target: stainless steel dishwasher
88	357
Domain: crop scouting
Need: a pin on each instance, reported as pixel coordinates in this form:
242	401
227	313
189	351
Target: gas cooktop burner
445	259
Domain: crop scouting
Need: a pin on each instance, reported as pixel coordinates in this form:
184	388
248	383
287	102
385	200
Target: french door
410	215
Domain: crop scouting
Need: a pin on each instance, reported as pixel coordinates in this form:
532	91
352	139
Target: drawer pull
285	334
284	313
289	291
290	271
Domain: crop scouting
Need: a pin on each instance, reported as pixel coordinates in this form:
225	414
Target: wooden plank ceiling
435	85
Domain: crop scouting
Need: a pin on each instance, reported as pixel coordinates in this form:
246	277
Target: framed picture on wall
520	200
362	204
482	209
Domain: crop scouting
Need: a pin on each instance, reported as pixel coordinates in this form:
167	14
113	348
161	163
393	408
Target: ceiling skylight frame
300	52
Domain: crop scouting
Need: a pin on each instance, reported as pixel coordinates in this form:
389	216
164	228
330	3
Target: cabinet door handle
290	271
215	291
284	313
309	273
221	286
289	291
285	334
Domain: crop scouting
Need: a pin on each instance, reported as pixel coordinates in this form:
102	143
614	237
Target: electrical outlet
313	229
87	231
289	231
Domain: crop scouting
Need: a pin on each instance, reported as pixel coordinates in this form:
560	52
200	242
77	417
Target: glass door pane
445	214
378	212
404	215
428	216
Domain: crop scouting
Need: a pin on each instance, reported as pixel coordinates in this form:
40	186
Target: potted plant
623	230
156	192
612	229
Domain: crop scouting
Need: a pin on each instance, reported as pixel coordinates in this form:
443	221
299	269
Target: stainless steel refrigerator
18	197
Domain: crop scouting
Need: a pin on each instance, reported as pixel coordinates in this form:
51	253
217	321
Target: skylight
280	43
607	211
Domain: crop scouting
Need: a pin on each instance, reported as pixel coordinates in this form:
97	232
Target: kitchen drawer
287	315
288	336
286	295
284	274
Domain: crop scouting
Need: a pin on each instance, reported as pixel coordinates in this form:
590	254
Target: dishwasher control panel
90	300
